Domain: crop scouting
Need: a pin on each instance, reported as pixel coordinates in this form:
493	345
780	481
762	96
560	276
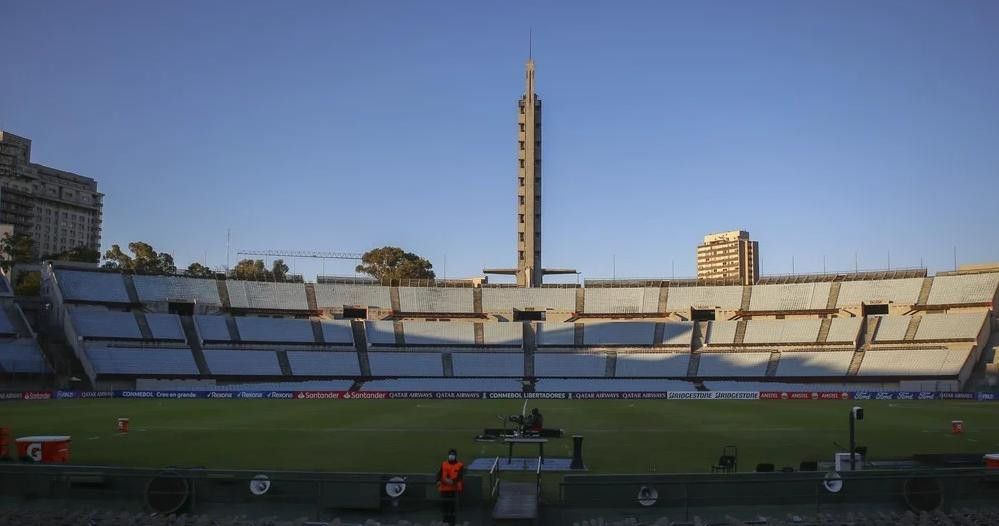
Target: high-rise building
529	271
59	210
729	257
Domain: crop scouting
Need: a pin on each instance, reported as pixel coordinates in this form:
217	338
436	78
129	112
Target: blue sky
827	129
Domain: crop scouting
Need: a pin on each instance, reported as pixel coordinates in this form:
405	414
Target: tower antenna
530	44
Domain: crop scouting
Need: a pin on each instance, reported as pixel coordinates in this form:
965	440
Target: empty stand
496	299
503	333
444	384
406	364
97	287
556	334
337	332
735	364
438	333
311	363
917	362
964	288
901	291
610	385
488	364
135	361
570	364
176	289
950	326
637	333
436	299
267	296
380	332
782	331
720	332
818	364
652	364
242	362
22	356
213	328
622	300
165	326
683	298
335	295
890	328
790	297
843	330
677	333
103	324
274	330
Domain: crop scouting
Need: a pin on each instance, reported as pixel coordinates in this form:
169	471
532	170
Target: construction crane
299	254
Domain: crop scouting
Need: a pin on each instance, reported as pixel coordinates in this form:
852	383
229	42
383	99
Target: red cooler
992	460
957	427
123	425
46	449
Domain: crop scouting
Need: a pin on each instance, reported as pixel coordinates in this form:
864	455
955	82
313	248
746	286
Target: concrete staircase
480	335
910	331
833	294
448	362
740	332
310	297
658	333
394	299
133	295
230	324
223	293
772	364
530	347
869	327
282	357
697	342
663	298
747	296
824	330
580	300
317	331
140	319
577	334
477	300
194	340
399	332
361	346
16	318
611	368
924	291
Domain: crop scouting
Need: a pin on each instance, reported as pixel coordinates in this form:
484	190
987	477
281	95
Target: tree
81	254
197	270
144	259
393	263
28	284
279	271
250	269
17	248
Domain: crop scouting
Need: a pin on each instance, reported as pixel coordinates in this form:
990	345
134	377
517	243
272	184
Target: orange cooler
45	449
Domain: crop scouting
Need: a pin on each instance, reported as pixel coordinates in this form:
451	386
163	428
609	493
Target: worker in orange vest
450	482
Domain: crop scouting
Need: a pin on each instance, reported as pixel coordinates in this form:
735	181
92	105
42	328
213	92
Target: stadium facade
60	210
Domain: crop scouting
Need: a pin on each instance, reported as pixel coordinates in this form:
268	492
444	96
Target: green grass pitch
621	436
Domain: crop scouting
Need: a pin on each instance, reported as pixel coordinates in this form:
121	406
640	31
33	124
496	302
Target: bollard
577	452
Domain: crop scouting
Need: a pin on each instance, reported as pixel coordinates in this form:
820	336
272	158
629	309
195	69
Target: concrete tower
529	272
529	184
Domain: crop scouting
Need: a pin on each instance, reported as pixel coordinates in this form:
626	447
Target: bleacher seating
818	363
503	333
98	287
337	331
173	384
811	387
782	331
242	362
890	328
556	334
438	333
134	360
6	326
380	332
104	324
310	363
176	288
277	330
266	295
336	295
506	298
678	333
406	364
435	299
901	291
212	328
683	298
488	364
569	365
964	288
844	330
610	385
789	296
721	332
652	364
165	326
950	326
734	364
622	300
22	356
444	384
635	333
915	362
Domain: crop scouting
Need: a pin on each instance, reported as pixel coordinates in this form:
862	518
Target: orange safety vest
450	471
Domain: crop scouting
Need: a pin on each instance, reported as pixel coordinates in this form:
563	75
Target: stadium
138	397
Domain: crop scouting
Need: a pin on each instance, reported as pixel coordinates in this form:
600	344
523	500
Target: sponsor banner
161	394
713	395
957	396
17	395
60	395
803	395
37	395
987	397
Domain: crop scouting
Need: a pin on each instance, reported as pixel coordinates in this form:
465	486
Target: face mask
451	458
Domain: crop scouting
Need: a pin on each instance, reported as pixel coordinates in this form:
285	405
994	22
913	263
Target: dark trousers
449	502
